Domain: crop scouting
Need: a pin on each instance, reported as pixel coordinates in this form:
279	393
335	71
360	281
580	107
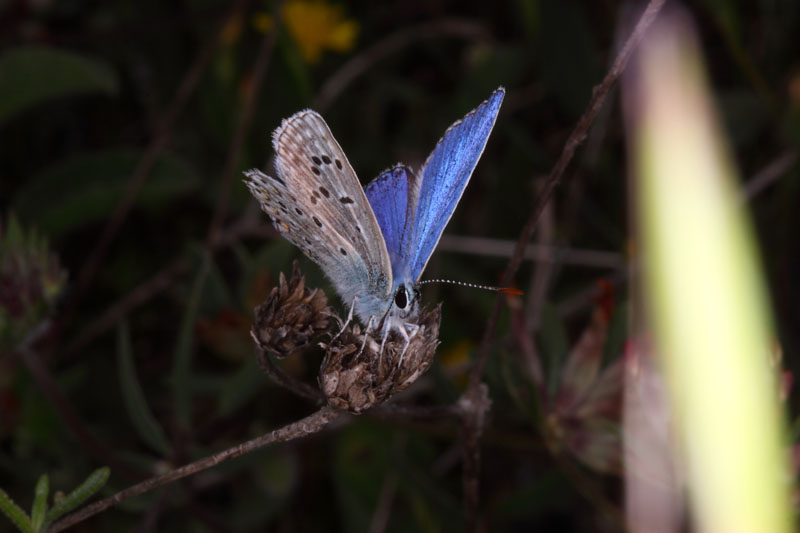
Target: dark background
102	82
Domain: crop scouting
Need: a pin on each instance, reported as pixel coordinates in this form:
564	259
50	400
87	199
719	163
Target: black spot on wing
316	171
338	164
316	160
346	200
326	159
344	252
325	192
317	222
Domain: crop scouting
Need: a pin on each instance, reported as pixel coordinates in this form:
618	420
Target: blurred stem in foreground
703	291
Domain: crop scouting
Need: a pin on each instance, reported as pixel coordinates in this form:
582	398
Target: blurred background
133	255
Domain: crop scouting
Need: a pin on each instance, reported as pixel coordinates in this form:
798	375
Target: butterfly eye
400	298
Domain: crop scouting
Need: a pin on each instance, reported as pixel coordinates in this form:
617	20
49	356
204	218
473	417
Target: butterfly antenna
504	290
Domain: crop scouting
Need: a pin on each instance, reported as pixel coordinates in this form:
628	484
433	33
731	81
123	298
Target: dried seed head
356	379
291	317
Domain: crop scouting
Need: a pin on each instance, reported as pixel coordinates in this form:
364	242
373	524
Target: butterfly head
404	308
406	301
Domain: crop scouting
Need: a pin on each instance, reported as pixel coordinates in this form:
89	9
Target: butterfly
372	243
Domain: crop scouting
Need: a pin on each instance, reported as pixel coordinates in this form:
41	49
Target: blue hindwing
392	196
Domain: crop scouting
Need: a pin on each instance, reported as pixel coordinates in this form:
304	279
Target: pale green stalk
704	292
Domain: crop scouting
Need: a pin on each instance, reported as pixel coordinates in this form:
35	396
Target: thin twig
243	128
542	276
576	137
306	426
474	408
541	253
361	63
769	174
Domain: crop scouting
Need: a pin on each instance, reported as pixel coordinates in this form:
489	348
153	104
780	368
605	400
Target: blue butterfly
372	243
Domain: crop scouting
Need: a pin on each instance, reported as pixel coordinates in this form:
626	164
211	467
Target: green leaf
133	396
87	187
181	369
30	75
14	512
82	492
39	508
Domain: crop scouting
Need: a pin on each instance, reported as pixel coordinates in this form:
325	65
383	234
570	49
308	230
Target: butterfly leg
414	330
366	334
349	318
383	343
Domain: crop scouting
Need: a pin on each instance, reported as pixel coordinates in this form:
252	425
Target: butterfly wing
443	178
392	196
317	203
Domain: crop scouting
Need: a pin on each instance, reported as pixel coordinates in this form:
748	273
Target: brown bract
356	379
291	317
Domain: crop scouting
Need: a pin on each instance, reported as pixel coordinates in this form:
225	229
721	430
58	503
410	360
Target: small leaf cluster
41	515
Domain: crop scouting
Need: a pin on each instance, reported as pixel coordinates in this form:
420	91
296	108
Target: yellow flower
315	26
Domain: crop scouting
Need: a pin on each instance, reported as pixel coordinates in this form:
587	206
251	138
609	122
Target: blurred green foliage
31	280
85	88
42	515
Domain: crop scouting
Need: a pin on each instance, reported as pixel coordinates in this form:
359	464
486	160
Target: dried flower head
291	317
356	379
